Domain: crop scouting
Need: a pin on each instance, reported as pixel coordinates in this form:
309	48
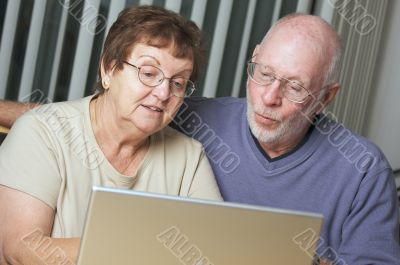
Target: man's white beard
286	129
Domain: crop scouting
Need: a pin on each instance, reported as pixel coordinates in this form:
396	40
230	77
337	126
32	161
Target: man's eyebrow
295	78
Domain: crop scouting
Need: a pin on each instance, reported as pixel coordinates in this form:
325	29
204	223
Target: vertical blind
359	24
53	46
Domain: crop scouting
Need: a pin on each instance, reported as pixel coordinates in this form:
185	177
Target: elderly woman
116	138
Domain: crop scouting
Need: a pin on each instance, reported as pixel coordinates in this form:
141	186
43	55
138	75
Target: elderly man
277	149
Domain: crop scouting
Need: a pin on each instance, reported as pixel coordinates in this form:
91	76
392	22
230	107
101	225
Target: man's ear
256	49
329	96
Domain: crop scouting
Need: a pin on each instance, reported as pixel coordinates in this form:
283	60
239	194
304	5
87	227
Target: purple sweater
333	172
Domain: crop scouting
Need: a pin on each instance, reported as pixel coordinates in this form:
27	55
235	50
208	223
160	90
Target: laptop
130	227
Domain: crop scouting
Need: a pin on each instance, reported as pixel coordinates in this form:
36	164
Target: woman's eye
178	84
148	74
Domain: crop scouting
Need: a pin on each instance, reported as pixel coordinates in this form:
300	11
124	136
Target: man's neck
284	146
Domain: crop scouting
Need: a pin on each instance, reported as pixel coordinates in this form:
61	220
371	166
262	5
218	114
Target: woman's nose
163	91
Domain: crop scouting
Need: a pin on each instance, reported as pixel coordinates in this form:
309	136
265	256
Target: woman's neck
123	146
108	126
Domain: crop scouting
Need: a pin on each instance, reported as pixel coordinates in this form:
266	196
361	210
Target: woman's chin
149	128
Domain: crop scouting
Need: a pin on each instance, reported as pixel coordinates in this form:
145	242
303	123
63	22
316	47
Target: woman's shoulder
62	109
54	117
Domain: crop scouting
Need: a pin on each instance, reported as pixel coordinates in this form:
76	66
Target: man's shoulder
212	108
217	100
337	133
349	145
216	113
207	103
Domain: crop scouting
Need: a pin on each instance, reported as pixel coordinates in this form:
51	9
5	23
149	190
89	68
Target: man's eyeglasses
264	76
153	76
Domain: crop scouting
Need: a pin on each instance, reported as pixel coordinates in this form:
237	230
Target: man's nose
272	93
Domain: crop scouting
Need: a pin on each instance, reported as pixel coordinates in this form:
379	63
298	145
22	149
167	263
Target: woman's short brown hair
154	26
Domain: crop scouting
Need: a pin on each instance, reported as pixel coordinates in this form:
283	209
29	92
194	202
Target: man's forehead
285	62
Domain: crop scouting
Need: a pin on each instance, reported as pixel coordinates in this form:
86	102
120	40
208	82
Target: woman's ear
106	75
102	70
105	82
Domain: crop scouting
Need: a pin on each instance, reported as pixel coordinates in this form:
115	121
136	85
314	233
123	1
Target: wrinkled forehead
292	54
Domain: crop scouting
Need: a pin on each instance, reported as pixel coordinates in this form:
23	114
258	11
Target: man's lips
266	119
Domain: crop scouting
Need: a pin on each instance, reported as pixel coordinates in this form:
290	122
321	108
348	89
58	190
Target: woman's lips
153	108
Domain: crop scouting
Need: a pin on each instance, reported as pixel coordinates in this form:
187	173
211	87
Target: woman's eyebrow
149	56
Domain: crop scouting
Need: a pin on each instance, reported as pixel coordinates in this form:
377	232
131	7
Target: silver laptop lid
128	227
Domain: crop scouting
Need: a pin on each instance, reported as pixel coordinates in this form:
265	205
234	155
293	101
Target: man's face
273	118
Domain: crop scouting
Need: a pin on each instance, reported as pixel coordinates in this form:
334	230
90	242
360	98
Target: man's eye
267	76
296	87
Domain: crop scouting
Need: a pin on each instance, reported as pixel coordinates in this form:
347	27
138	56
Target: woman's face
147	109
